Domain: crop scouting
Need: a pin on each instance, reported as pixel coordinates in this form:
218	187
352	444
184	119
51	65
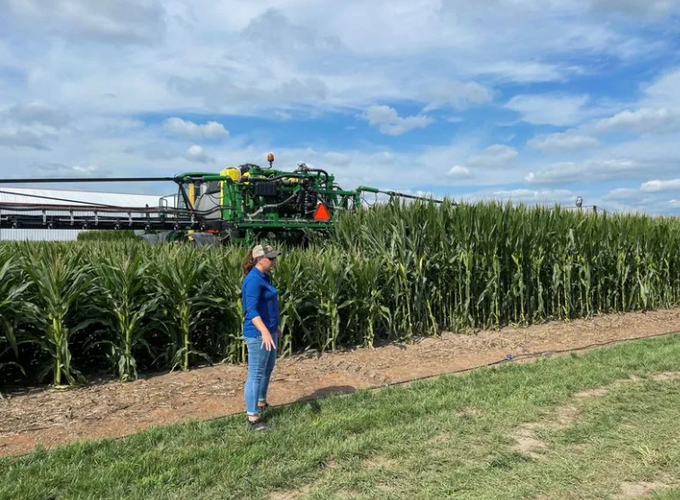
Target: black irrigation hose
509	358
534	355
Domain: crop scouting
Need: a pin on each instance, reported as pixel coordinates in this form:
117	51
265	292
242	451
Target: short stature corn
391	273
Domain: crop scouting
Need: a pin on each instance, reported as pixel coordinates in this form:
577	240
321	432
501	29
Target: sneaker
259	425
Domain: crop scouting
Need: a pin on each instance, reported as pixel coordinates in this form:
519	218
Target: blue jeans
260	366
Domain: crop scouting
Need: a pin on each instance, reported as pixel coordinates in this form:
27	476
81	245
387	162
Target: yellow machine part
192	200
192	194
232	172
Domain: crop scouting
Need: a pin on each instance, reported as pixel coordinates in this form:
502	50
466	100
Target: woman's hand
268	341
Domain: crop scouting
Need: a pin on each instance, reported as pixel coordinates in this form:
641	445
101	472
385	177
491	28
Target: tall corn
389	274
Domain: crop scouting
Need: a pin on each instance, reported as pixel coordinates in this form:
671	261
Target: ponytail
248	262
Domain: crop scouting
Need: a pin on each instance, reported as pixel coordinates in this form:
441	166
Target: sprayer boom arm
396	194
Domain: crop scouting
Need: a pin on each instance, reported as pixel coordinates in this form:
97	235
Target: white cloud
458	172
185	128
31	125
469	35
640	201
622	194
471	40
641	120
664	90
389	122
37	113
338	159
384	157
23	137
456	94
282	115
251	95
526	196
122	21
494	156
275	32
548	109
657	112
196	154
61	170
90	169
618	200
588	170
631	200
637	8
595	35
300	54
657	186
527	72
565	141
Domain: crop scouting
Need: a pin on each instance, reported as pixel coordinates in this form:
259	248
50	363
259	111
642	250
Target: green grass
450	437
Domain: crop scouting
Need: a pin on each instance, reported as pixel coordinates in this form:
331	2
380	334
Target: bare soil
640	490
51	417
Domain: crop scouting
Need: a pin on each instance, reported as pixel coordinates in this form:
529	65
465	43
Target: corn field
122	307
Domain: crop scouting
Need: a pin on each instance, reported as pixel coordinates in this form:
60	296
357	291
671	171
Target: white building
23	196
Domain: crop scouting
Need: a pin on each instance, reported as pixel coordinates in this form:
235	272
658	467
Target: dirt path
113	409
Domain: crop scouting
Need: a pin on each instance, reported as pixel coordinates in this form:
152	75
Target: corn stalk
57	282
183	283
14	306
127	306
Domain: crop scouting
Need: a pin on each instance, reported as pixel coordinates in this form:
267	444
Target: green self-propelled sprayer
238	204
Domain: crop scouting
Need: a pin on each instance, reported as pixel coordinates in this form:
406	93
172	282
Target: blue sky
535	101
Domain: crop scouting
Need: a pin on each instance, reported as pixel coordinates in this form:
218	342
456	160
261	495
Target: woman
260	328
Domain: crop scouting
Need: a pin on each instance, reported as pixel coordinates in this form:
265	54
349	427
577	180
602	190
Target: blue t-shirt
260	298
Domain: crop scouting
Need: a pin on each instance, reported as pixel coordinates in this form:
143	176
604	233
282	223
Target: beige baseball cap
265	251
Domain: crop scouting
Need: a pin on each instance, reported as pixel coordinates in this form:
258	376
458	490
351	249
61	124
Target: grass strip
602	424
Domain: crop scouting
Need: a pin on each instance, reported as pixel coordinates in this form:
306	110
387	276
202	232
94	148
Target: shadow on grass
313	399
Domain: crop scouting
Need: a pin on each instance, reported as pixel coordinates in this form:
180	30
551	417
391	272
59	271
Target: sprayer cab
249	198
